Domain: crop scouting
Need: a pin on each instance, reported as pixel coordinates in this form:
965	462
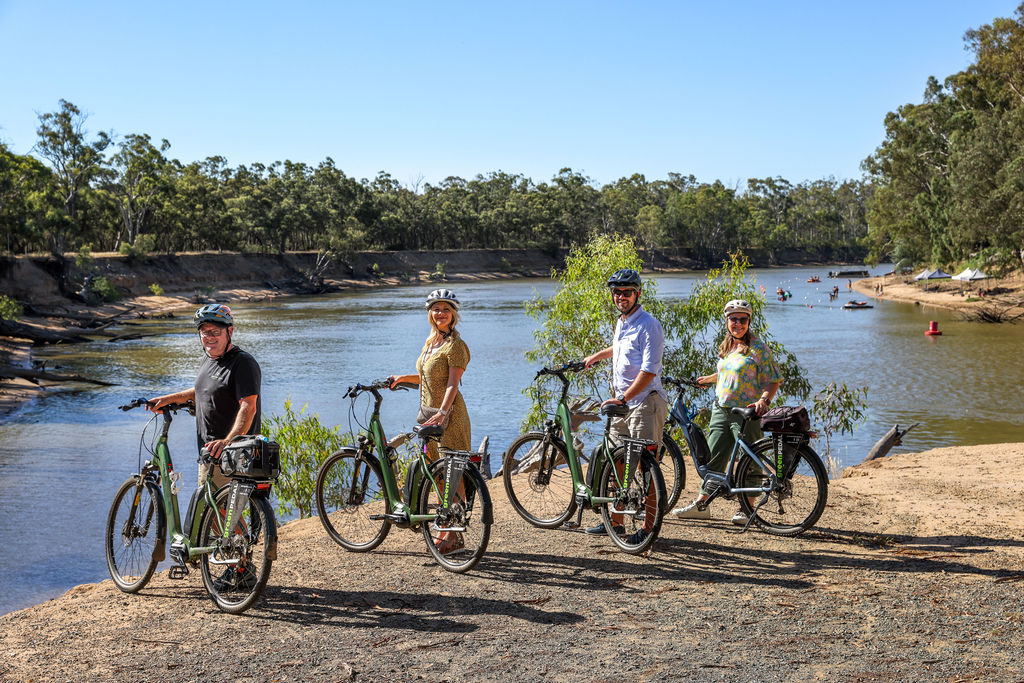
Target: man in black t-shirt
227	389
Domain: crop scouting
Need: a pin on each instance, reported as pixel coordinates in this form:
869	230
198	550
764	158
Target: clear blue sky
425	90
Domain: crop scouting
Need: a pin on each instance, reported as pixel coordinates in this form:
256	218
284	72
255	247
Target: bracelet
443	411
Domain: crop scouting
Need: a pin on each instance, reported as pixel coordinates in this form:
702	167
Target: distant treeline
949	178
76	190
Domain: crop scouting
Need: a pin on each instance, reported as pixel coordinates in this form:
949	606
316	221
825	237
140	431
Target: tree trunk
892	438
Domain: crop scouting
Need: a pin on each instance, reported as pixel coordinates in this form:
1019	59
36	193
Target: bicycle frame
584	493
681	415
378	441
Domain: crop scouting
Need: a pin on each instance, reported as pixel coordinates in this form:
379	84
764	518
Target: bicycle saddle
432	430
745	413
615	409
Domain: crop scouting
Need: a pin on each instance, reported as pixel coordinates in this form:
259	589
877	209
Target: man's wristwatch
621	397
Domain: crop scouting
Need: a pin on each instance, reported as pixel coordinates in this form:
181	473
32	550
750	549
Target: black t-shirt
221	383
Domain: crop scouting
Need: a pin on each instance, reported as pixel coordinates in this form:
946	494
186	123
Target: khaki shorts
646	421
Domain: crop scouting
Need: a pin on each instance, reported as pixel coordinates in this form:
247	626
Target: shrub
305	442
10	309
137	253
156	289
838	410
101	289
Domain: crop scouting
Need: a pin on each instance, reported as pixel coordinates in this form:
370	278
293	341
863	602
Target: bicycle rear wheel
538	481
633	521
796	503
136	523
236	573
470	512
673	470
349	489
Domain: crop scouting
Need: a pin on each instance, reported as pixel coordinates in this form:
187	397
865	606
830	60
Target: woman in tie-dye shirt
747	376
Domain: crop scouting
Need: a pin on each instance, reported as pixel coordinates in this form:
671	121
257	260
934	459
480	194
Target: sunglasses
211	332
739	319
623	292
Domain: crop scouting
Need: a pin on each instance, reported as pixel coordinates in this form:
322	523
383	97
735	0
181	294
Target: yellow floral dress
433	372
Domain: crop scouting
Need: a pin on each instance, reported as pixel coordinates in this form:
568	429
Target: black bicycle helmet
627	277
213	313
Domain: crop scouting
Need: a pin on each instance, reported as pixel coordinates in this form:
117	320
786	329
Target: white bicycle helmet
445	295
738	306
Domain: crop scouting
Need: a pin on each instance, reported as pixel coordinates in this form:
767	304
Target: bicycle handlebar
354	391
680	383
571	366
190	406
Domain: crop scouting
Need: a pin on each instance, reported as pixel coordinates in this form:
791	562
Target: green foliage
580	320
86	196
156	289
838	410
101	289
948	177
84	259
137	252
10	309
305	443
440	271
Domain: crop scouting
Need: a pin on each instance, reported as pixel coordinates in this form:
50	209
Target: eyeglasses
211	332
623	292
739	319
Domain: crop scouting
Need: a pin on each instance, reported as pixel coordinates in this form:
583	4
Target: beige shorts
646	421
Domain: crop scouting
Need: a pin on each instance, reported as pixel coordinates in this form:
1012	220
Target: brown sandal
449	545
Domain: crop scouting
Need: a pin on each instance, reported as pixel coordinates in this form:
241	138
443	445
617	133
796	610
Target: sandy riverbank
1004	294
913	573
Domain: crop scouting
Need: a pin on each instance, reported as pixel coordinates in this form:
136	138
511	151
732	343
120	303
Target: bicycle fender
271	531
160	548
485	497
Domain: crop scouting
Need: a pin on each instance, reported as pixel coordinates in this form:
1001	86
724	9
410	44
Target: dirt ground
914	572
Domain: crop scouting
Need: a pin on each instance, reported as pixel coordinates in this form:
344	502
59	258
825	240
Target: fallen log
11	328
891	439
11	372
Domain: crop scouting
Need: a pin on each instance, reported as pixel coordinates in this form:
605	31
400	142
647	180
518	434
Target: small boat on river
814	278
850	305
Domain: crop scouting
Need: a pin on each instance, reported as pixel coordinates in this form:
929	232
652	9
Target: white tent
970	275
937	274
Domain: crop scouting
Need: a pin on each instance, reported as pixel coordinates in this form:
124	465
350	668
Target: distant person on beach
636	354
439	369
748	377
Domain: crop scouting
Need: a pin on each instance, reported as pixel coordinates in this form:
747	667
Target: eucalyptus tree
74	159
137	173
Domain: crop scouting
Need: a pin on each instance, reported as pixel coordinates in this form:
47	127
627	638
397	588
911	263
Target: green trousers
723	431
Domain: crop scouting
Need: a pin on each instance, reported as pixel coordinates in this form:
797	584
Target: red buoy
933	328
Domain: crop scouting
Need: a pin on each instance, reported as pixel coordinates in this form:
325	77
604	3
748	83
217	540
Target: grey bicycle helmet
445	295
627	277
738	306
213	313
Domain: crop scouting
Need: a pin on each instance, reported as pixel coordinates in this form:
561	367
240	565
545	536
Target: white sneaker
740	519
691	511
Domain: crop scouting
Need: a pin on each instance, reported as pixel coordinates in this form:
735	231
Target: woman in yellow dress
439	370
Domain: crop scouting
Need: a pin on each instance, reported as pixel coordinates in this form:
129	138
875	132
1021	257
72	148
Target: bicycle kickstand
750	518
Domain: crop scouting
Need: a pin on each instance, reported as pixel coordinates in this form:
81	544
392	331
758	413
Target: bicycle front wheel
458	537
135	525
538	481
236	573
794	504
673	470
349	490
633	519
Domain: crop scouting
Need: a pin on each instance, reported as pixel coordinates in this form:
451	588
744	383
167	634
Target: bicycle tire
236	590
636	498
132	537
474	513
345	504
542	495
805	489
673	470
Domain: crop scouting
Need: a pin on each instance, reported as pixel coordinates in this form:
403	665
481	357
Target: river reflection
76	447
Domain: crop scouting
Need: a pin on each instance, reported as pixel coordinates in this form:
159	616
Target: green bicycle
145	511
545	483
358	497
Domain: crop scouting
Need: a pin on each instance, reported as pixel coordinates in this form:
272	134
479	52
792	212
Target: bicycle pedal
393	517
178	571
